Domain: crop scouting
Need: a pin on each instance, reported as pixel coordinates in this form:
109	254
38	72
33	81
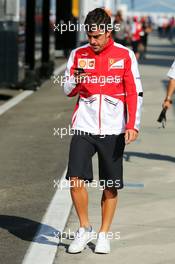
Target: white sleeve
70	83
171	72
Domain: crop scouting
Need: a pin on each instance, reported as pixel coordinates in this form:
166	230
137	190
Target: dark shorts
110	150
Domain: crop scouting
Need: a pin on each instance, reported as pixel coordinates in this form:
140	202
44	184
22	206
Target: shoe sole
83	248
100	252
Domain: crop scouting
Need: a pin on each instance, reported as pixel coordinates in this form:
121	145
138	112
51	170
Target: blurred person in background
170	87
162	26
108	11
136	29
146	29
120	35
171	28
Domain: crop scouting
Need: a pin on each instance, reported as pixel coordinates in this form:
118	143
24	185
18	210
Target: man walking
106	79
170	87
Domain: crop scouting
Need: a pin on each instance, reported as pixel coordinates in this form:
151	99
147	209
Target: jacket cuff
131	128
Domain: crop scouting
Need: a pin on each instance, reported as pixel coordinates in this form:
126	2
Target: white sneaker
81	239
103	243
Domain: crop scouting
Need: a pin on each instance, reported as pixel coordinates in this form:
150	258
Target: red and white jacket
110	99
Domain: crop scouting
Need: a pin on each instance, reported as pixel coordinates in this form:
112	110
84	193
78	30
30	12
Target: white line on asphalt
60	69
12	102
17	99
44	246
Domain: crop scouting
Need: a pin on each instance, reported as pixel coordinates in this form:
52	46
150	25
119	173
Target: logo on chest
115	64
86	63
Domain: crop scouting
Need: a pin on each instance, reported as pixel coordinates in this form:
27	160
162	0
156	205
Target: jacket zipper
100	101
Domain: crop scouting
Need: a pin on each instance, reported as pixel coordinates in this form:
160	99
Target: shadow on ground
27	229
150	156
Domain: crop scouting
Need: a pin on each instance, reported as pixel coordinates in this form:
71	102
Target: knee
76	184
110	193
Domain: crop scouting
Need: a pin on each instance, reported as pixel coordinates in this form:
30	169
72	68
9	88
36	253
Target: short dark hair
97	17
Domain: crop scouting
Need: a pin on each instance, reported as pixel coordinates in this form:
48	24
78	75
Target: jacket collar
106	47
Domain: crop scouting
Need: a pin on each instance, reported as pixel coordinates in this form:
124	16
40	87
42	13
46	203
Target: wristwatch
168	99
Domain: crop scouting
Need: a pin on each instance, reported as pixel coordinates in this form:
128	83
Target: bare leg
108	206
79	196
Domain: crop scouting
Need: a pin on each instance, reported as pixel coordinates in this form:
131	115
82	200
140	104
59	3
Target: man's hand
170	90
130	136
79	77
167	103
